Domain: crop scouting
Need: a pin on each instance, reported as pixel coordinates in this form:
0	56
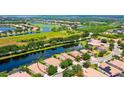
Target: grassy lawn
121	36
83	43
101	37
16	39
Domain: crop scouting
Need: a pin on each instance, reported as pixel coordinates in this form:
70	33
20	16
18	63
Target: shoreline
33	51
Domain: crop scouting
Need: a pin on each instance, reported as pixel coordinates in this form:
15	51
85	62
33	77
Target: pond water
46	28
6	29
79	27
9	64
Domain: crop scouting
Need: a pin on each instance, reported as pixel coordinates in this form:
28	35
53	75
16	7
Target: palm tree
78	70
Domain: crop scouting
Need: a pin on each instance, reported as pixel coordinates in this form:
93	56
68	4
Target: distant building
119	31
35	28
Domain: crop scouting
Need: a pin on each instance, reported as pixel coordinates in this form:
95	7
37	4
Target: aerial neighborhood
61	46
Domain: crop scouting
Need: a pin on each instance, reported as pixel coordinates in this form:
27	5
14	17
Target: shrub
104	41
66	63
52	70
77	70
86	56
78	58
3	74
86	64
68	73
101	53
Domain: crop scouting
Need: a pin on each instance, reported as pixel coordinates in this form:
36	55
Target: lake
45	28
9	64
2	29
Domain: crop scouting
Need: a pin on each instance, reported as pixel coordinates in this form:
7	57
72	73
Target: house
98	44
102	48
35	28
119	31
122	59
83	51
94	60
20	74
61	57
75	53
117	64
68	56
94	42
90	72
116	40
52	61
109	70
38	68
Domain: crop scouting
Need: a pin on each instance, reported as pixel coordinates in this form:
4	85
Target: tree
66	63
104	41
111	46
52	70
86	56
122	53
116	57
77	70
54	29
3	74
86	45
122	45
78	58
86	64
85	34
119	41
122	74
68	73
101	53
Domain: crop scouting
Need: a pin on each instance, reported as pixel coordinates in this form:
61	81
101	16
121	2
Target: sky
61	7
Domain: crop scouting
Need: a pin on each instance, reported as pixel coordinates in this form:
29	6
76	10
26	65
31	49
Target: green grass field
17	39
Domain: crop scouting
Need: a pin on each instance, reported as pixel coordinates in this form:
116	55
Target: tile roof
53	61
75	53
38	68
68	56
118	64
90	72
20	74
112	71
83	51
61	57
